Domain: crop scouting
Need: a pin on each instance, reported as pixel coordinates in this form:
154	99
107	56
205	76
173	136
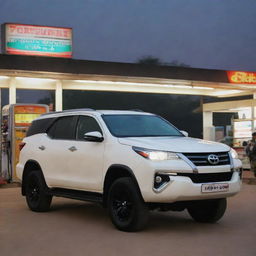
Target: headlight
155	155
233	153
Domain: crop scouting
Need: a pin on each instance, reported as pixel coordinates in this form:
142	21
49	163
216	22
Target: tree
149	60
177	64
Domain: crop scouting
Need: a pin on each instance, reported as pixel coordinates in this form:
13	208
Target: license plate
215	187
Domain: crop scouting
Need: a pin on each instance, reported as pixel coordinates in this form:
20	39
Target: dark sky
217	34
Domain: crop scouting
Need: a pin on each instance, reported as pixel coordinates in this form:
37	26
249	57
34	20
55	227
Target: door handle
42	147
72	149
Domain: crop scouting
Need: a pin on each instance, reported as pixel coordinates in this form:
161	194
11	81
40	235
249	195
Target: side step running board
76	194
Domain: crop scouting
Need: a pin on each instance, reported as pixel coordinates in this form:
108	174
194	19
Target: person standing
251	152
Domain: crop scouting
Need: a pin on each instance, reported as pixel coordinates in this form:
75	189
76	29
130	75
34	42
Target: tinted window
86	124
139	126
40	126
63	128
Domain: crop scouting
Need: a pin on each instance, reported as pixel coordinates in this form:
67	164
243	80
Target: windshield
139	126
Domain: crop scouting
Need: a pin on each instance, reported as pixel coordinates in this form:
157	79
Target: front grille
208	177
201	159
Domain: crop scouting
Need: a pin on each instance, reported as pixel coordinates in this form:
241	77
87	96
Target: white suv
130	162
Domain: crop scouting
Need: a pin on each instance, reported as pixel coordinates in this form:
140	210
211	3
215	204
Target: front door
86	158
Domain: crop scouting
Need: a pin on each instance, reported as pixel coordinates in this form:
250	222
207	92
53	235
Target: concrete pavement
78	228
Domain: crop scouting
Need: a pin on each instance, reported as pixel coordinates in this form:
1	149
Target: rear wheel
126	207
207	210
36	196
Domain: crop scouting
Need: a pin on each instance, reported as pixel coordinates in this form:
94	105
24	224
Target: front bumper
181	188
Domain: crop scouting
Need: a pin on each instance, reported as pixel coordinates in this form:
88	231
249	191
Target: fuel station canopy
58	74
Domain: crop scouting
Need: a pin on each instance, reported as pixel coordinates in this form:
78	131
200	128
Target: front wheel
126	207
208	211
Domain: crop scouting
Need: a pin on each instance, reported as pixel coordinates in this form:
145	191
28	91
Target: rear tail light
22	145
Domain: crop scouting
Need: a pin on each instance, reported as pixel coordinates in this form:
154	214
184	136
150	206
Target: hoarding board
37	40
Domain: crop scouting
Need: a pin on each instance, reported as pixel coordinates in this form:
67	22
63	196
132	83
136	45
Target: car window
40	126
86	124
63	128
139	126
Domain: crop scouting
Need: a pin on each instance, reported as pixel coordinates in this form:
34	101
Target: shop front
242	126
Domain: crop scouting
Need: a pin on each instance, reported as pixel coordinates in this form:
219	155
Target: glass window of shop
36	97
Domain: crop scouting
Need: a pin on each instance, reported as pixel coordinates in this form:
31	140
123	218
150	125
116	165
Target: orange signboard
29	109
239	77
24	115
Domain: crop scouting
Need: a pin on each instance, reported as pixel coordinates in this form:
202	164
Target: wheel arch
114	172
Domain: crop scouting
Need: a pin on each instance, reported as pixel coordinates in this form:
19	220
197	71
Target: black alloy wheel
122	205
126	207
36	196
33	191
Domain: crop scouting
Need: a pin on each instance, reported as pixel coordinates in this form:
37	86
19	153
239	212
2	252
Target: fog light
160	182
158	179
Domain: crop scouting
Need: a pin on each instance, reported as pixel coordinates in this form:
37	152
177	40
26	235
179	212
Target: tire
207	211
126	207
36	197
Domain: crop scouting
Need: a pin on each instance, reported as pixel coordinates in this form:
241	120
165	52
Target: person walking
251	152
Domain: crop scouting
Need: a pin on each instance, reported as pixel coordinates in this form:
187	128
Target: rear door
56	152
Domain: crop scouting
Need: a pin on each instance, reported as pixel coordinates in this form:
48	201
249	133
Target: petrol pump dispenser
16	119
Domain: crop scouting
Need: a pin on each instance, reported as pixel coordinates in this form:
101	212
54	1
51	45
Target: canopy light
203	88
4	77
227	92
36	80
178	85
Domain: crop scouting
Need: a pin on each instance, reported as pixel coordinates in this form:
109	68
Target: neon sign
239	77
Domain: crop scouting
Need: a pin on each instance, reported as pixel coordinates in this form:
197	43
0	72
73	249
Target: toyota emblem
213	159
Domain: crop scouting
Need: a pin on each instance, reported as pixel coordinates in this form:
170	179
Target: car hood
175	144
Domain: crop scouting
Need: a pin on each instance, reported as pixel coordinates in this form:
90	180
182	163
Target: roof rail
78	109
137	110
69	110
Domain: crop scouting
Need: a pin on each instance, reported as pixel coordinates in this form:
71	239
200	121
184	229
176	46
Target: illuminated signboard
239	77
37	40
242	129
25	114
25	118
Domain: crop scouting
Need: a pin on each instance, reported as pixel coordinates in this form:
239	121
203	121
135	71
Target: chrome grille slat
195	156
201	159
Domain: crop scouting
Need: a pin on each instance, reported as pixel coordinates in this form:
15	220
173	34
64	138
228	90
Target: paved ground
78	228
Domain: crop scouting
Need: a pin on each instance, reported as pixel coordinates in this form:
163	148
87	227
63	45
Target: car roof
92	112
123	112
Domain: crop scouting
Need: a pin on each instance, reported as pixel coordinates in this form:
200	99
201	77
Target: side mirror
184	133
93	136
